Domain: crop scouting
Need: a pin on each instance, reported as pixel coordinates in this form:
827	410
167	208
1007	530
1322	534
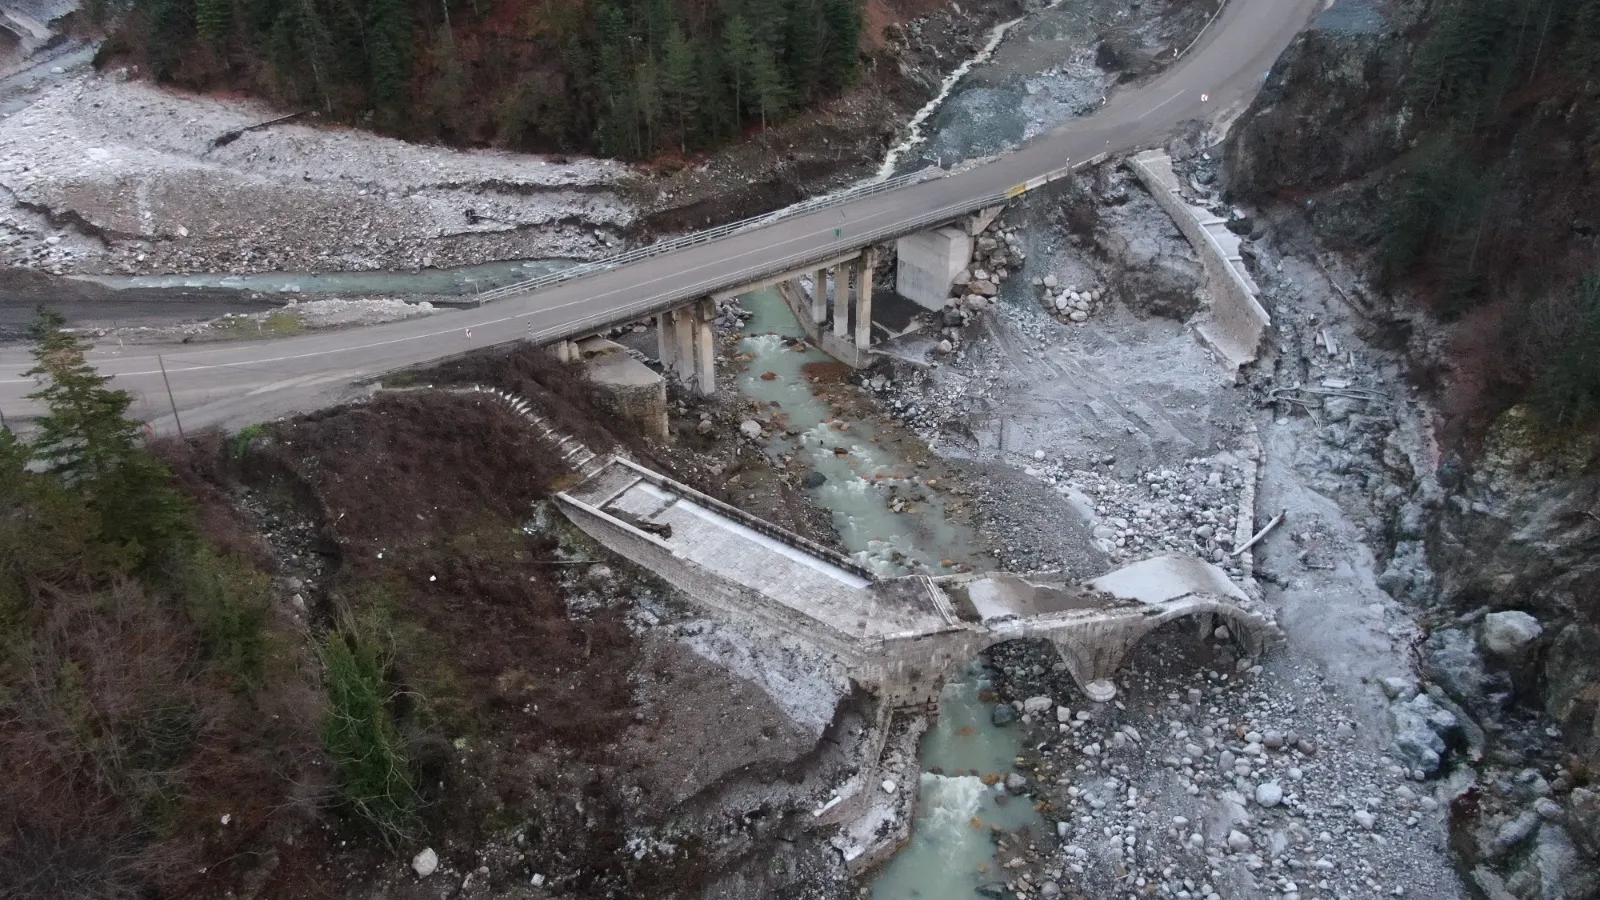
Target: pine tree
715	123
87	441
647	105
768	21
212	19
802	45
680	85
841	61
738	59
768	86
388	39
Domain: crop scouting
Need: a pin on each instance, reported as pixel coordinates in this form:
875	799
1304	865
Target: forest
1497	199
632	79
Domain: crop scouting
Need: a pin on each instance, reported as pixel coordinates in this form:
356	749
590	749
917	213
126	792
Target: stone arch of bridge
1093	649
1094	654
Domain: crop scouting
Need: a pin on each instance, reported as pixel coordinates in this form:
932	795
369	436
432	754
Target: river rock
1238	841
814	479
1036	705
425	863
983	288
1506	634
1050	282
1417	744
1269	794
1003	714
750	428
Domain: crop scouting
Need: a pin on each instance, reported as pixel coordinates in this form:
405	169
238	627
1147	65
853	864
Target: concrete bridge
931	248
235	384
901	637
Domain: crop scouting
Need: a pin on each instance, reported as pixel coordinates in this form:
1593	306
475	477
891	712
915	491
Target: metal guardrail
795	261
700	237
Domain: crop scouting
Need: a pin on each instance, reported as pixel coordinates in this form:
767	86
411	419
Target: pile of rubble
1072	304
1194	508
997	253
1213	778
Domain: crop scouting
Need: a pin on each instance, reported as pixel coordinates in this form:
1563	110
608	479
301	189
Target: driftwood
228	137
1262	533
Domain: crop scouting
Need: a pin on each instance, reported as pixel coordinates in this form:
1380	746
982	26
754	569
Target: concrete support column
819	297
566	351
666	342
841	299
705	349
685	332
864	299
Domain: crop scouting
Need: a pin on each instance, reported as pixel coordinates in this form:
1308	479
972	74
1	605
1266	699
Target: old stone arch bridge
901	637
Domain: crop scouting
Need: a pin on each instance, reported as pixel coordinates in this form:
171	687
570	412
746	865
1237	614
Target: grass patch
277	324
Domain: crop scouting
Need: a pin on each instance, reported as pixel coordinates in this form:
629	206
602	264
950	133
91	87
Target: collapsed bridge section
901	637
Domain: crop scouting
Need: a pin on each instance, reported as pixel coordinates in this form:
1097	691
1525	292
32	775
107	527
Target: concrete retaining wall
1237	320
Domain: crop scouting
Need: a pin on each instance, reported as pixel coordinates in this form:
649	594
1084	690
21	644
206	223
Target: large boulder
1510	634
1450	659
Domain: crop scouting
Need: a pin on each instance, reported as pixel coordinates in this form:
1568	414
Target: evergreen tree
87	440
768	21
739	52
803	43
715	121
680	86
389	36
841	60
767	85
647	104
212	18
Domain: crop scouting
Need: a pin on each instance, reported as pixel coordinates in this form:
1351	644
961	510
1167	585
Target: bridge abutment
927	263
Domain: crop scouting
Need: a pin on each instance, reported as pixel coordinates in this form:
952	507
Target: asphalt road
234	384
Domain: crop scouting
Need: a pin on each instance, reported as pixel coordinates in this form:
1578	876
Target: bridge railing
794	261
711	234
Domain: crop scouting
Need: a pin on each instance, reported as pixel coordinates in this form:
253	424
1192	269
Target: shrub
227	601
360	735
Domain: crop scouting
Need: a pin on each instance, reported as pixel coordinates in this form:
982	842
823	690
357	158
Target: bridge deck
754	555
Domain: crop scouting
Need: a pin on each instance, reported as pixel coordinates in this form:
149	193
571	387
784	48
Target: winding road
234	384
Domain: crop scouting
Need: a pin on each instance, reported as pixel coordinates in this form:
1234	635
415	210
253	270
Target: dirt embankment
538	681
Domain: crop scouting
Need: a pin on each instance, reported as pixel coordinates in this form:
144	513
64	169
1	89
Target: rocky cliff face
1506	548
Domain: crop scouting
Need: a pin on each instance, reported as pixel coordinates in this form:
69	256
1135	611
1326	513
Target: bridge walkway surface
822	591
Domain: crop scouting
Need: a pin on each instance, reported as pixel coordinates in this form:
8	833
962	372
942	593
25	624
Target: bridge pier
686	345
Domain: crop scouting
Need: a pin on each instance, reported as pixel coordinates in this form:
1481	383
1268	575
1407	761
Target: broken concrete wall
1237	320
626	386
